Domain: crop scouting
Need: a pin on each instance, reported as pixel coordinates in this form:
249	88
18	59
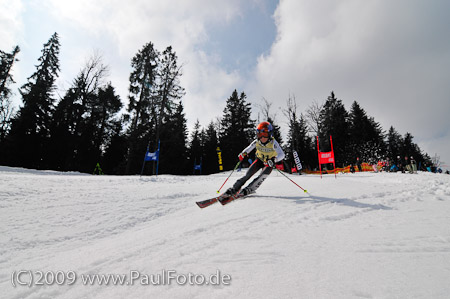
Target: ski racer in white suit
268	152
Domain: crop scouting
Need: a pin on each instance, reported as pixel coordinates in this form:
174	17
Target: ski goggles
262	133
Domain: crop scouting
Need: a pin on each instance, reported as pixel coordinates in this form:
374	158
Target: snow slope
366	235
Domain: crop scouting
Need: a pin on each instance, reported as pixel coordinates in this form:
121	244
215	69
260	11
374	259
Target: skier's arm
280	154
249	148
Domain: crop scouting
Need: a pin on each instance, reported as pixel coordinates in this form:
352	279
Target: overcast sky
393	57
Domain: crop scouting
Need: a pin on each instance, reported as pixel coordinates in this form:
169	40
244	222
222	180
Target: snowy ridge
364	235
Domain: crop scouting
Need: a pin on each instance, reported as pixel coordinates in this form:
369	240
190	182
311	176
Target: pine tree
154	90
195	145
393	144
84	119
141	107
65	131
366	136
168	87
114	159
334	122
411	149
6	111
30	130
210	143
398	147
174	150
6	63
97	127
237	129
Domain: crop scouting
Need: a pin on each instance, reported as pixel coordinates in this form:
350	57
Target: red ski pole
237	165
291	180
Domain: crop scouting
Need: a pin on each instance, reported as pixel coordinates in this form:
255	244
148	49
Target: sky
392	57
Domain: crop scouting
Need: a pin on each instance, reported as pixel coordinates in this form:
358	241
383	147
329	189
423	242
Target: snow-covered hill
366	235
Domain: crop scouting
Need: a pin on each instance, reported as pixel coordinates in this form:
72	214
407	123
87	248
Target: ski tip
202	206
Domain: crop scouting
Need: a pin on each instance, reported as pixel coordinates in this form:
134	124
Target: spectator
358	163
405	164
395	164
413	165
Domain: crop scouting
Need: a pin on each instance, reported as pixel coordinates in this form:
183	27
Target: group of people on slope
408	164
404	165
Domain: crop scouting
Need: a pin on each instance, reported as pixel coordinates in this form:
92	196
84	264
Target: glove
270	163
241	156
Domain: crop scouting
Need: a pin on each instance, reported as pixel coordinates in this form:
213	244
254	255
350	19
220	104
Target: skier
268	152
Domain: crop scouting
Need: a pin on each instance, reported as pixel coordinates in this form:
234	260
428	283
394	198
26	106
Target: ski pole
237	165
291	180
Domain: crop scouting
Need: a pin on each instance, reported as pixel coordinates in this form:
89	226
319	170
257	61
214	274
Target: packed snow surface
362	235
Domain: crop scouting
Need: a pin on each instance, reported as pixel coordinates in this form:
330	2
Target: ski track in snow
363	235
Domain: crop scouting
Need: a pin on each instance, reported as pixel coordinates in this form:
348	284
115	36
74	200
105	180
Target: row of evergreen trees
88	125
354	134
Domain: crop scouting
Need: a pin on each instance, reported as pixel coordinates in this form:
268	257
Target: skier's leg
251	188
257	165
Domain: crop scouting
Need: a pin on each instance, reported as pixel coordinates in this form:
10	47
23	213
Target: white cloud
209	86
10	23
178	23
182	24
393	57
11	27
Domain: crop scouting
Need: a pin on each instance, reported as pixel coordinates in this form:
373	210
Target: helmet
264	129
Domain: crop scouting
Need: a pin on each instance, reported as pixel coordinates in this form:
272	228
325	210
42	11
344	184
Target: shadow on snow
341	201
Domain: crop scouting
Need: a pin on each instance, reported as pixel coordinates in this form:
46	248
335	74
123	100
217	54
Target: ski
206	203
229	199
223	199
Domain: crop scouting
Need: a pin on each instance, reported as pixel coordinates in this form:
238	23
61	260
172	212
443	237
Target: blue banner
152	156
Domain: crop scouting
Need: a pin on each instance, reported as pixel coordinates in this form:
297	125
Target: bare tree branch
313	117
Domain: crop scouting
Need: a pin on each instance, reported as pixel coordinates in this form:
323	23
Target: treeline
89	125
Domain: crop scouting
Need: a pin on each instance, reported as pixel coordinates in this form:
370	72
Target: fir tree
411	149
334	122
30	130
114	159
141	107
237	129
210	143
174	150
65	131
84	119
393	144
154	89
366	136
168	87
97	127
195	145
6	111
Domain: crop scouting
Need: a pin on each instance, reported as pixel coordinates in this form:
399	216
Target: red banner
327	157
